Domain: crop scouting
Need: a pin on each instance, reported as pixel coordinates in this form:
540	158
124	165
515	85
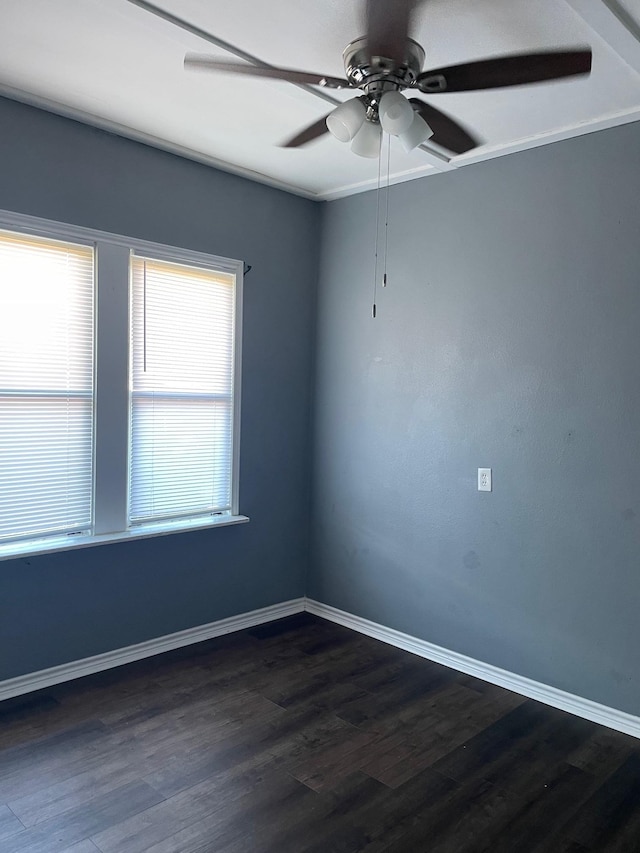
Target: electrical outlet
484	479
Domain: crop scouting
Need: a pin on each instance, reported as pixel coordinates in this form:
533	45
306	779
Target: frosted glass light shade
396	113
418	132
346	120
367	140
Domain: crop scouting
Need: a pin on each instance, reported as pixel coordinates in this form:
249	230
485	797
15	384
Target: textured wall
66	606
509	337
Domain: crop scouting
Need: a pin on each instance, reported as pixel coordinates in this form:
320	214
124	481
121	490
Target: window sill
15	550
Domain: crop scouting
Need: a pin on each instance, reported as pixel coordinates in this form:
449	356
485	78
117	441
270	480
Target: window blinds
46	386
182	344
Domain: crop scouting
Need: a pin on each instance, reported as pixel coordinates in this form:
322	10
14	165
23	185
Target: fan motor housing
376	74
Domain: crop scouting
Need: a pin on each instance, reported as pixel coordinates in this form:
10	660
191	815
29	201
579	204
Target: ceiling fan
386	61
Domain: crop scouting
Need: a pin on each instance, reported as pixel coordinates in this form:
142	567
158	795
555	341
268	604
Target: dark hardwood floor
301	736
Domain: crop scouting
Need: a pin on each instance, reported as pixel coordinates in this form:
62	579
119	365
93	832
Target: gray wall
66	606
509	337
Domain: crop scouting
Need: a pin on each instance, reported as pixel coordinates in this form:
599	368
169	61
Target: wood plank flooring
304	737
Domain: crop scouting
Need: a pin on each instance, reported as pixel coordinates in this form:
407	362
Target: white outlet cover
484	479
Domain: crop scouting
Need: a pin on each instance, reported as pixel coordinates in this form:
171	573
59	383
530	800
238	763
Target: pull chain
375	270
374	308
144	316
386	218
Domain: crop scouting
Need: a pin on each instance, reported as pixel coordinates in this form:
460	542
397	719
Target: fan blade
388	24
308	134
290	75
446	132
505	71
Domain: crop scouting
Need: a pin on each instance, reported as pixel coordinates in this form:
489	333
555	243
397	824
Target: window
119	387
181	391
46	386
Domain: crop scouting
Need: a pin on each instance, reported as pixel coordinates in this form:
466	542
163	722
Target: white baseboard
586	708
76	669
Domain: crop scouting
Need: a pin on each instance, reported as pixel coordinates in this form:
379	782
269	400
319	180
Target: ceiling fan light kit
395	113
418	132
367	141
395	116
387	61
347	119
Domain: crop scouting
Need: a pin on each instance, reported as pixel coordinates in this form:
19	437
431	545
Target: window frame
111	440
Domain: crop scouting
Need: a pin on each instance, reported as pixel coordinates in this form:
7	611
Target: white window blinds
46	386
182	345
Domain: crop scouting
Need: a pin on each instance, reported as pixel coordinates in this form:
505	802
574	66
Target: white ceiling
119	66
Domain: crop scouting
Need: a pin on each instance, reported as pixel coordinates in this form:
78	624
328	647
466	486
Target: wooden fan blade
203	62
446	131
388	25
308	134
506	71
